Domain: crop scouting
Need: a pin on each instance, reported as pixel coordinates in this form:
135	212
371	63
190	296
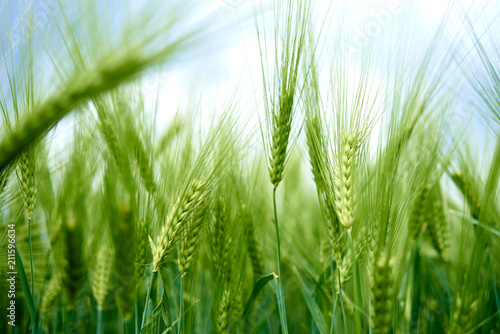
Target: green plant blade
26	289
311	304
259	285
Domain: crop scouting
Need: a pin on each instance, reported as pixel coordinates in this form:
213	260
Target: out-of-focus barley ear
101	274
462	316
254	250
314	136
372	245
382	296
470	193
52	292
4	178
332	225
191	238
141	249
419	213
27	178
124	241
219	242
73	268
344	181
145	164
438	227
174	129
237	305
224	311
180	213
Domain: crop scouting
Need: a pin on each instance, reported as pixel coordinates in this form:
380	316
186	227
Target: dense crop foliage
354	206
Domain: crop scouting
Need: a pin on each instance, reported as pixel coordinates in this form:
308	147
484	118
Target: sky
228	63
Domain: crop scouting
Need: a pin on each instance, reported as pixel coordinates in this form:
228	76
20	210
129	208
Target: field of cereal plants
354	193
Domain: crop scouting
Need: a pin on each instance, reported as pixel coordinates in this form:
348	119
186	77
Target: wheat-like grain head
28	186
180	213
191	238
101	274
382	296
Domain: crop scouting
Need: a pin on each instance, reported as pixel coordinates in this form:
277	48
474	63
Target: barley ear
124	237
141	247
224	311
52	291
382	296
419	214
179	215
191	239
438	228
101	274
28	186
344	181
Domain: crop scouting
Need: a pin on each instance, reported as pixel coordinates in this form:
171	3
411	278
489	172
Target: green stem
180	306
279	288
153	275
99	321
341	299
358	299
136	312
334	300
32	273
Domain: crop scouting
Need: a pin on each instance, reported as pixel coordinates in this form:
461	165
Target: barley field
347	181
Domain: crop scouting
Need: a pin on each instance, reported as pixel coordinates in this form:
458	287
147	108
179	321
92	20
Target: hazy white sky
229	63
232	64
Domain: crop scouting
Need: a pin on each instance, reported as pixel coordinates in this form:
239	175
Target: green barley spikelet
462	317
344	191
189	244
52	291
72	262
224	311
219	246
181	211
332	225
282	125
437	228
419	212
314	136
141	249
144	164
470	193
4	177
123	235
28	186
382	295
254	252
101	274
